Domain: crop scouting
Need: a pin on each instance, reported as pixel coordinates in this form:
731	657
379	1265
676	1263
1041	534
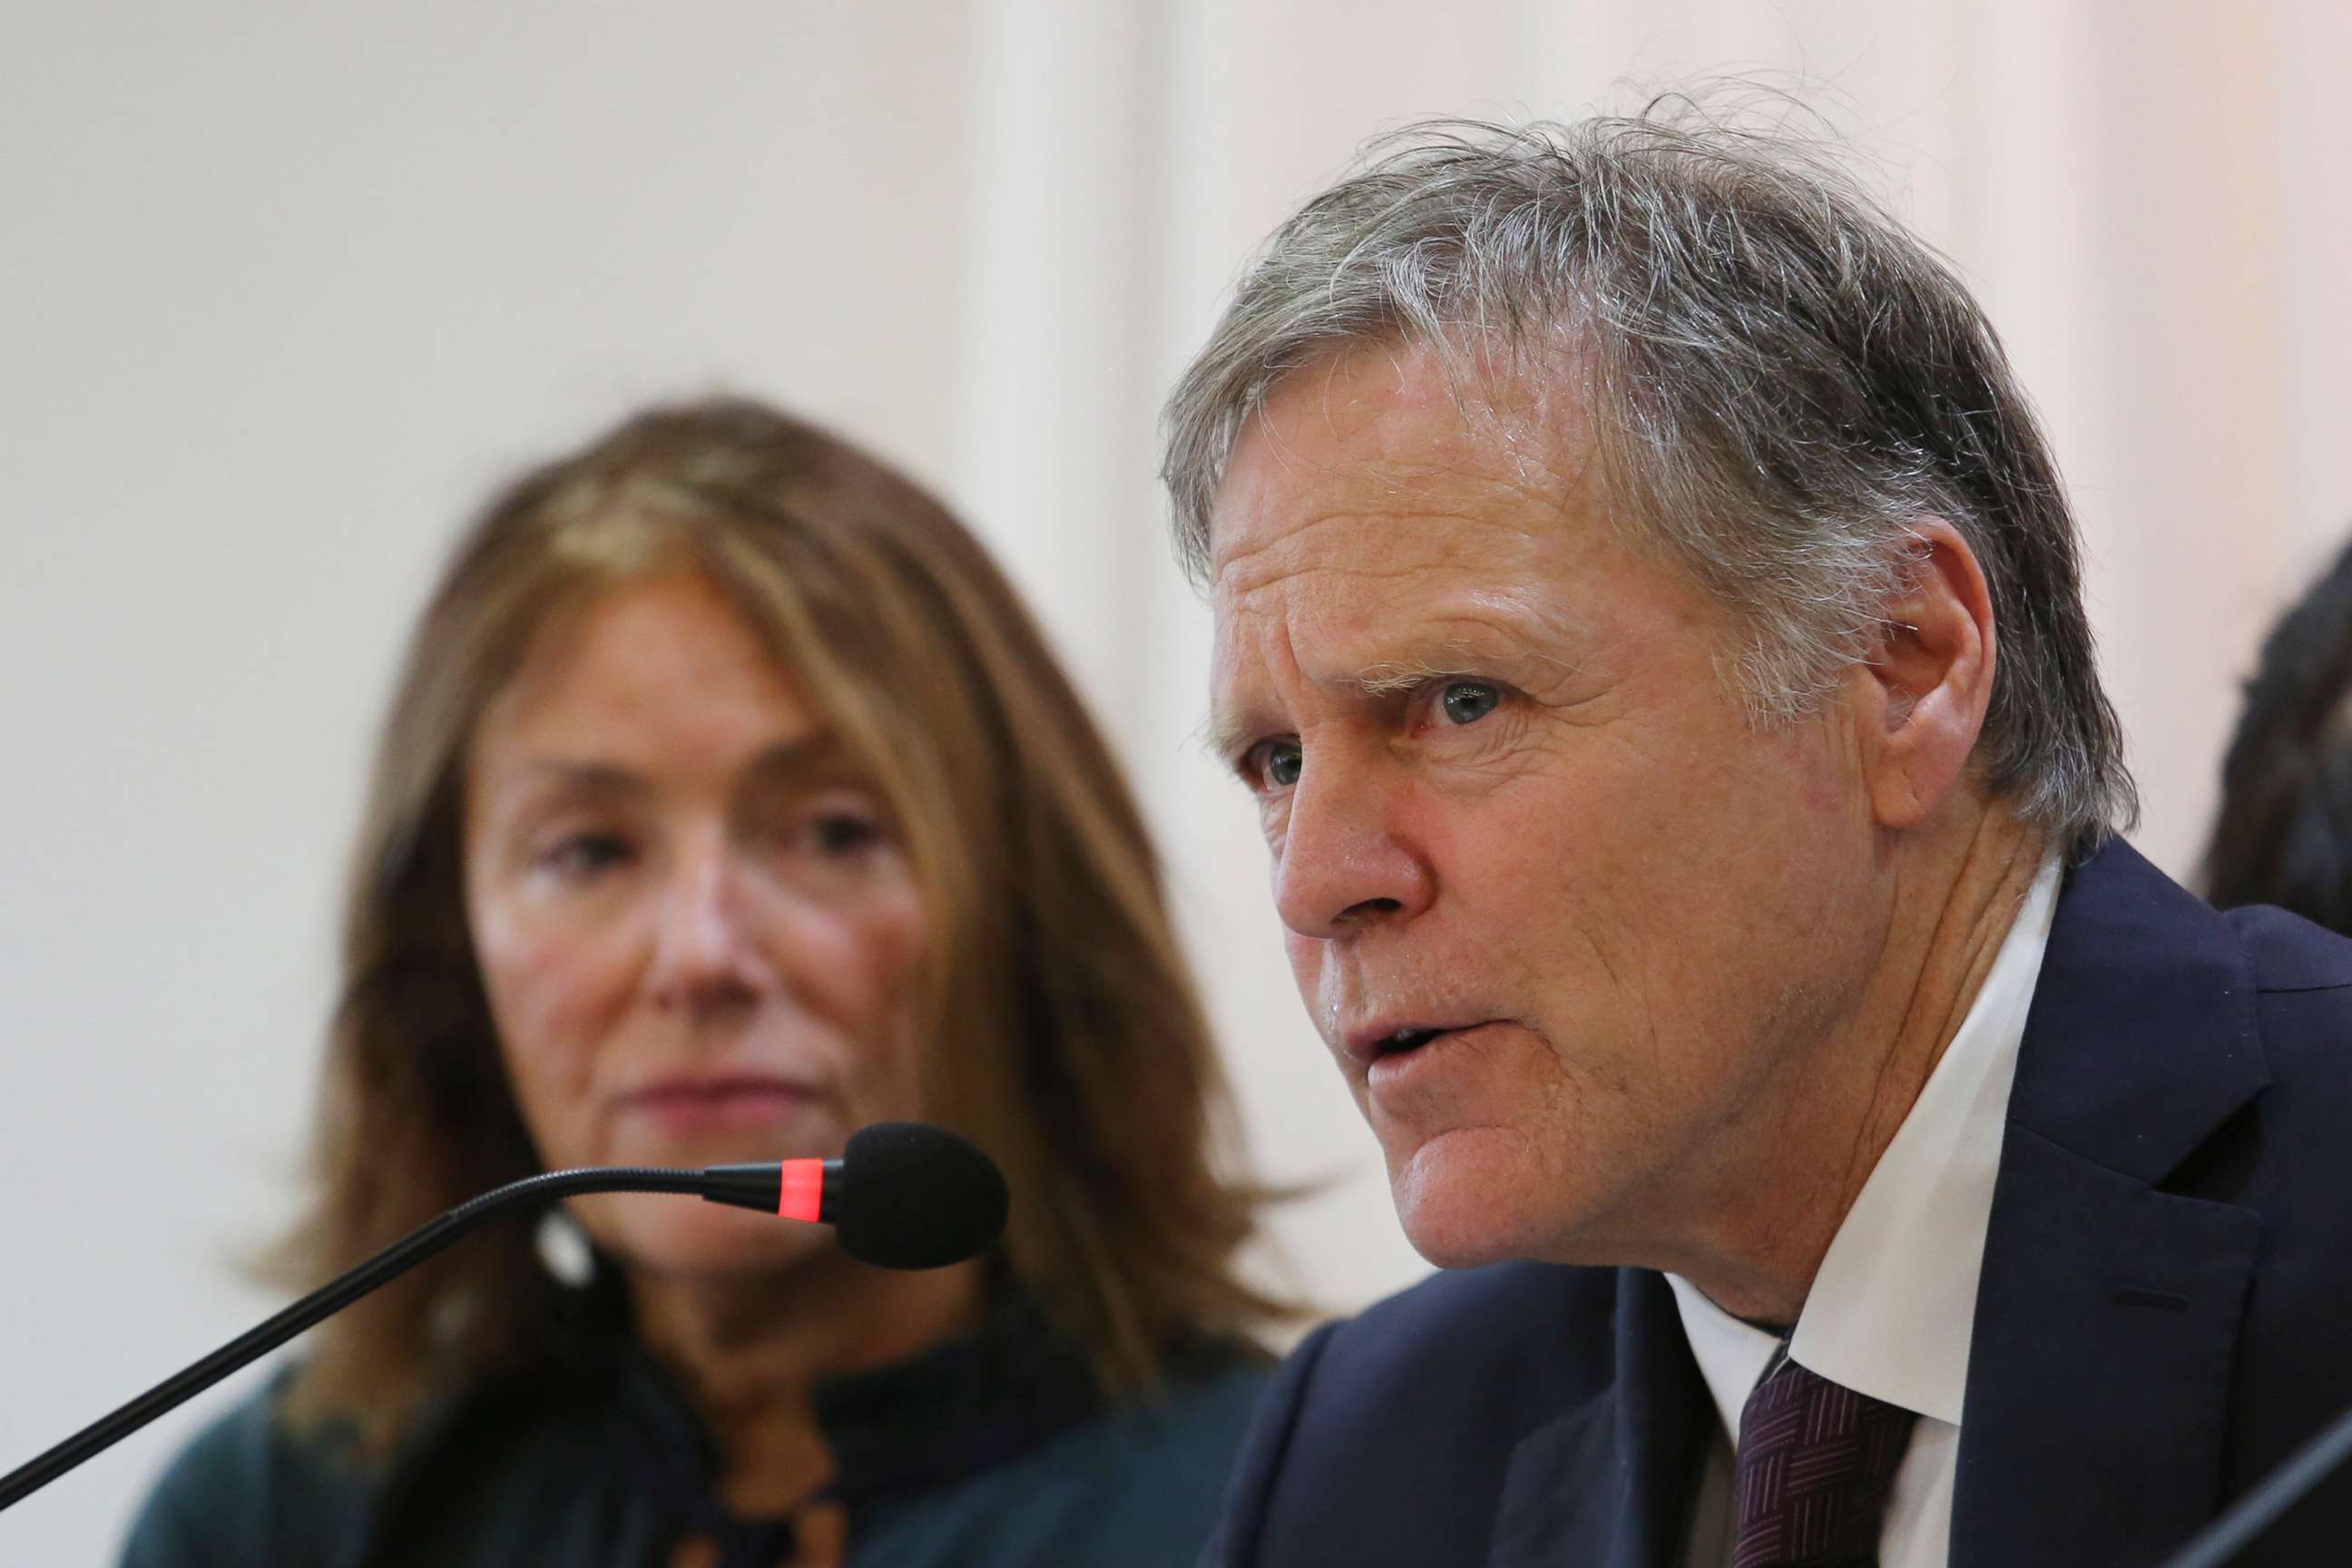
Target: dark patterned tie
1816	1460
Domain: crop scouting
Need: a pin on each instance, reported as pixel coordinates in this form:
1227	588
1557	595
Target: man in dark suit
1650	623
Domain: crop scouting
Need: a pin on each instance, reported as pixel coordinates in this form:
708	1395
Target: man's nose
704	957
1342	865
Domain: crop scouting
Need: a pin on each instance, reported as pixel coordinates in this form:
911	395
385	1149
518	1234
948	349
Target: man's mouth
1380	1043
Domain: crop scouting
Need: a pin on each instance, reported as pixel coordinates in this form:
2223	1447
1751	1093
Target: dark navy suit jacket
2165	1310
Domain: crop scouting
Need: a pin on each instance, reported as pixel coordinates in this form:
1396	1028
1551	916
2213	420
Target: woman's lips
688	1106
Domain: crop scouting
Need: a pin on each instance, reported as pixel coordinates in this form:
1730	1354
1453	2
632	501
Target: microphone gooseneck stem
337	1294
2221	1541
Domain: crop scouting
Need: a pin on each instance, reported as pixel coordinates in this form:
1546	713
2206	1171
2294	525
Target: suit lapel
2107	1312
1609	1485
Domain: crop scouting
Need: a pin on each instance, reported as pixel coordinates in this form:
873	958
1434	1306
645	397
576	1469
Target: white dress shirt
1890	1311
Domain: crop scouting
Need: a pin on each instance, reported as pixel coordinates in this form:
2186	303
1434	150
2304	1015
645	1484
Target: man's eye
1467	702
1280	762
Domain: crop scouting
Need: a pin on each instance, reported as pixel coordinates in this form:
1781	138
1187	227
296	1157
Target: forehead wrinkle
1246	574
1228	731
1285	455
1458	655
1522	495
1401	409
1507	628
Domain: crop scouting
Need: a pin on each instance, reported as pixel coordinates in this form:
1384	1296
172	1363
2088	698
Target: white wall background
284	290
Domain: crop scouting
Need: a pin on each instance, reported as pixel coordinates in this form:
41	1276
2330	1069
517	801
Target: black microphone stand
745	1186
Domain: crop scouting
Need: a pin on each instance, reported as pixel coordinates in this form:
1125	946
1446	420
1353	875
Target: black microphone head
914	1197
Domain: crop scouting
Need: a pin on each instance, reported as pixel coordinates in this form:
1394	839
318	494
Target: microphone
902	1195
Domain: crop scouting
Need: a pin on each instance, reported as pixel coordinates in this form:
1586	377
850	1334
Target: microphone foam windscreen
913	1196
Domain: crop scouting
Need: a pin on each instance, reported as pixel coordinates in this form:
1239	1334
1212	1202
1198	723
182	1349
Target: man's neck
1953	904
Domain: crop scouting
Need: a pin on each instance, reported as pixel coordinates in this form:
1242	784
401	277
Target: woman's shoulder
1140	1483
1204	1407
1187	1437
251	1489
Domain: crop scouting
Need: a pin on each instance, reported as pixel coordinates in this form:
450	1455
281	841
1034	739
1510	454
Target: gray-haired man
1649	619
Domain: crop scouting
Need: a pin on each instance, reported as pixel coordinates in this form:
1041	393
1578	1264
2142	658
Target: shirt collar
1892	1309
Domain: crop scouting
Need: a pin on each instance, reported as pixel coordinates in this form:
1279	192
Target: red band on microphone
803	1190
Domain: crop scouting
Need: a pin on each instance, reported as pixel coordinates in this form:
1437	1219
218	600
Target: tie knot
1815	1463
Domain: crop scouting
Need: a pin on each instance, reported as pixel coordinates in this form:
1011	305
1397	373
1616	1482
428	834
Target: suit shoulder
1501	1346
2288	952
1459	1318
1340	1465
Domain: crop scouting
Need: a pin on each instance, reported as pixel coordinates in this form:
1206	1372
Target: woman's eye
1467	702
1279	762
842	832
580	855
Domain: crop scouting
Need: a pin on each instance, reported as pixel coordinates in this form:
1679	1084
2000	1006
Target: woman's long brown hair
1064	1034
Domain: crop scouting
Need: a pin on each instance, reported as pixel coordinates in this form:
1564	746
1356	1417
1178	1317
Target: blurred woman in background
729	802
2283	832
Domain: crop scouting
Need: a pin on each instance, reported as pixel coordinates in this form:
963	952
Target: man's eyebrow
1223	735
1220	736
1395	675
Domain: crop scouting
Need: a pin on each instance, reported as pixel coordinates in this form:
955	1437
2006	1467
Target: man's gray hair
1783	385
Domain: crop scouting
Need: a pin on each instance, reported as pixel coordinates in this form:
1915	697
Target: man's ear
1928	680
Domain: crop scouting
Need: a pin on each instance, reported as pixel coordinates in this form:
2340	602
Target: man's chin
1459	1210
1452	1248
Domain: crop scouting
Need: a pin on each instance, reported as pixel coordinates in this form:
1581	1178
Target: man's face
1511	798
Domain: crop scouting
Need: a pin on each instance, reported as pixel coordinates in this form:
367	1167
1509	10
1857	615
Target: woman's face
693	914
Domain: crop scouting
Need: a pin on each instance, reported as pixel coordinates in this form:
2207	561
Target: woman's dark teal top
988	1450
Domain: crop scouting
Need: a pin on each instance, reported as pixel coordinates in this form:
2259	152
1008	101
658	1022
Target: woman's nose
704	956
